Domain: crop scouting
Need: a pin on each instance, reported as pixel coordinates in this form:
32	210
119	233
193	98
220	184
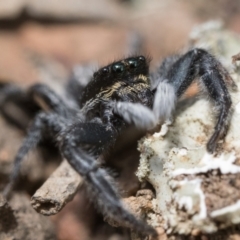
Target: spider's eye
118	68
142	58
105	70
132	63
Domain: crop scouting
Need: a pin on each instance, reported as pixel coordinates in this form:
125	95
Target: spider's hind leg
16	106
43	122
198	63
48	100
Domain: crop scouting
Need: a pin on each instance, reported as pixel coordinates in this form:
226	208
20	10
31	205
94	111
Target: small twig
58	190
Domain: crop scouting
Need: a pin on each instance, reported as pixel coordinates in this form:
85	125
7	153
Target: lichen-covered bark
197	193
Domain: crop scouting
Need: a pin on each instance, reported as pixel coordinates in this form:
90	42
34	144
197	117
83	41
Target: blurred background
60	33
41	41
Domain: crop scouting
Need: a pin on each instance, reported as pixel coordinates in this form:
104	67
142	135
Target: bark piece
59	189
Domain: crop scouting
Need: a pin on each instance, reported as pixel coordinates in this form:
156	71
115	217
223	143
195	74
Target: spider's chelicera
118	95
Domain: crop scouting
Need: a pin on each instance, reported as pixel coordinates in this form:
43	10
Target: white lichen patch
209	163
237	108
196	191
144	167
190	196
231	214
164	130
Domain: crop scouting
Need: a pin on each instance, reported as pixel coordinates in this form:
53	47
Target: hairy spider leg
32	139
81	76
8	91
201	64
48	100
38	96
13	95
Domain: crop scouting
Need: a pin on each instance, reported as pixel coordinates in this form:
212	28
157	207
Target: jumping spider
117	96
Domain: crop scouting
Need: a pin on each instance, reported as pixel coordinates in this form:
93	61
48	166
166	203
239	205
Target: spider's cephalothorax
123	81
120	94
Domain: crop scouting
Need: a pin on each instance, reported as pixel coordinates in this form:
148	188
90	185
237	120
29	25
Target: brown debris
223	190
235	58
138	205
7	220
19	221
59	189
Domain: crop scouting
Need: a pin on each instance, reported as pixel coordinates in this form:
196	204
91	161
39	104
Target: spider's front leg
198	63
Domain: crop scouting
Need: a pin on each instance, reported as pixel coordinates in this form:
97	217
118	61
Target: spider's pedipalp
135	113
164	101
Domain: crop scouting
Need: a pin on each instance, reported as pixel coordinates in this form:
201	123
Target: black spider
117	96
